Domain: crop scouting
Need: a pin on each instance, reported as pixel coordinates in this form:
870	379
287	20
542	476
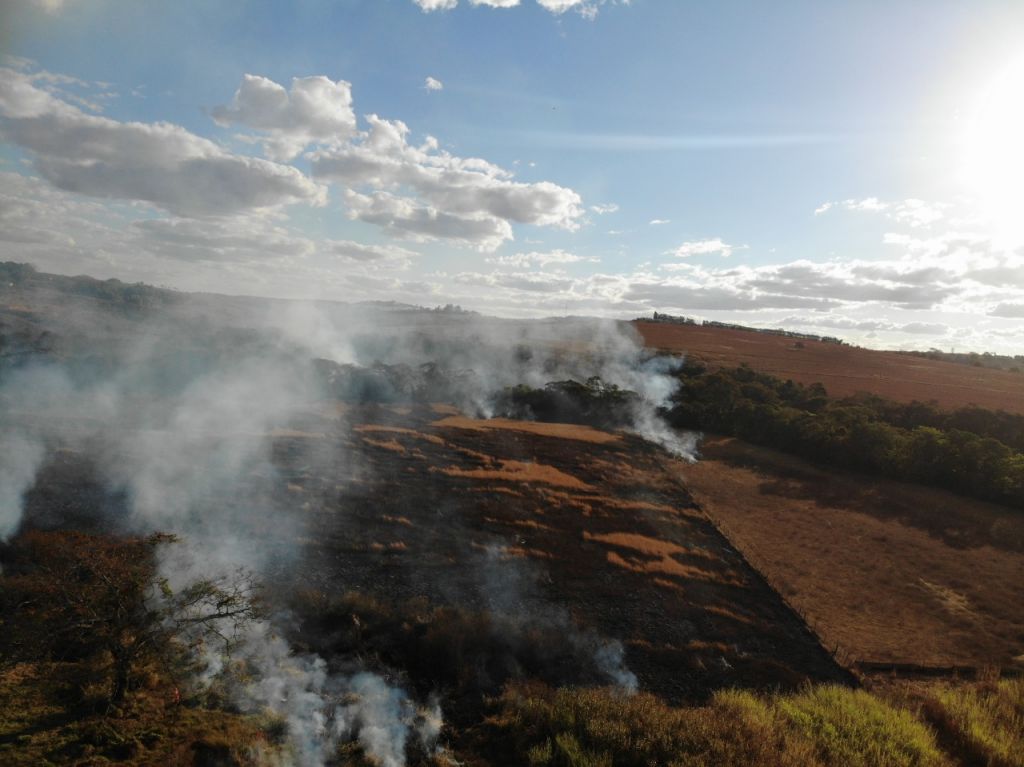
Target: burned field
537	526
516	520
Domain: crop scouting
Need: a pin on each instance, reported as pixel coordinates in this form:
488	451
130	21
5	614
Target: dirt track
844	370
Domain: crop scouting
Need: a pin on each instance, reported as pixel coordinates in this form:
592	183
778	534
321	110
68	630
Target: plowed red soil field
844	370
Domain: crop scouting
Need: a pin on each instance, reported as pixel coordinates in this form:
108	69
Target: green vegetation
984	723
822	726
969	451
593	402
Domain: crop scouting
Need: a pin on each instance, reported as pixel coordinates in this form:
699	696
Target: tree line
971	451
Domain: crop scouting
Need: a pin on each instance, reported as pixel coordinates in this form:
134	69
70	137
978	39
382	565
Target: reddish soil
883	571
844	370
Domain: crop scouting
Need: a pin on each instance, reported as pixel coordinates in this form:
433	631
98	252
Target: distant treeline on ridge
672	319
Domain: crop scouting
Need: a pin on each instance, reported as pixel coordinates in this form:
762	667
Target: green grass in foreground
984	723
823	726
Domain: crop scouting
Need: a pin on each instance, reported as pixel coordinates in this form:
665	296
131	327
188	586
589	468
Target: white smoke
20	458
191	449
509	587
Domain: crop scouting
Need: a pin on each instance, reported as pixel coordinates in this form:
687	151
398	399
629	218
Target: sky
847	169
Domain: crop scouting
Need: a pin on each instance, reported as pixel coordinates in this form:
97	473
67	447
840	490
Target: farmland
844	370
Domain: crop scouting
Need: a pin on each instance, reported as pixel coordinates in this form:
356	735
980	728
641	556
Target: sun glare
995	153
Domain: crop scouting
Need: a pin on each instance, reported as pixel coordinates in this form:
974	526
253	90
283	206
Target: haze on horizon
852	170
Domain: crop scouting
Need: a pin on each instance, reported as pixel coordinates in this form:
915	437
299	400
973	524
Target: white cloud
586	8
470	196
540	259
703	248
314	110
159	163
240	239
659	221
436	5
604	209
433	84
914	212
1015	311
390	255
405	217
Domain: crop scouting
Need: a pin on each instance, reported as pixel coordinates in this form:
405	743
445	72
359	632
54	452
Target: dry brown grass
521	471
884	571
844	370
557	430
377	428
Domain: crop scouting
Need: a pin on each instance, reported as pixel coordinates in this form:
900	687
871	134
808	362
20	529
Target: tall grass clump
984	722
857	729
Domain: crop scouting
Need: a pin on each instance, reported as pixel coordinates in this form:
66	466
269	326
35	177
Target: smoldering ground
175	411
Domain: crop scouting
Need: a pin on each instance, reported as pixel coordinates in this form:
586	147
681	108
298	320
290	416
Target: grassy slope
844	370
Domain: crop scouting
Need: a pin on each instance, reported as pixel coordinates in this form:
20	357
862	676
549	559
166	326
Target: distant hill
843	370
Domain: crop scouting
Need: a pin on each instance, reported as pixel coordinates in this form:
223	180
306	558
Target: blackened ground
535	527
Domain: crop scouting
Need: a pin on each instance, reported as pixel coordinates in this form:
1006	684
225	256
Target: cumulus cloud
466	199
604	209
659	221
405	217
433	84
314	109
159	163
703	248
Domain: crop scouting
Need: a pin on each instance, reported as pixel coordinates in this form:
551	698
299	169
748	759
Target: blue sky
805	162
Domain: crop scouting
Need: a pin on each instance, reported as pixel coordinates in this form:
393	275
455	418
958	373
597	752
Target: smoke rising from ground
177	410
509	586
22	456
